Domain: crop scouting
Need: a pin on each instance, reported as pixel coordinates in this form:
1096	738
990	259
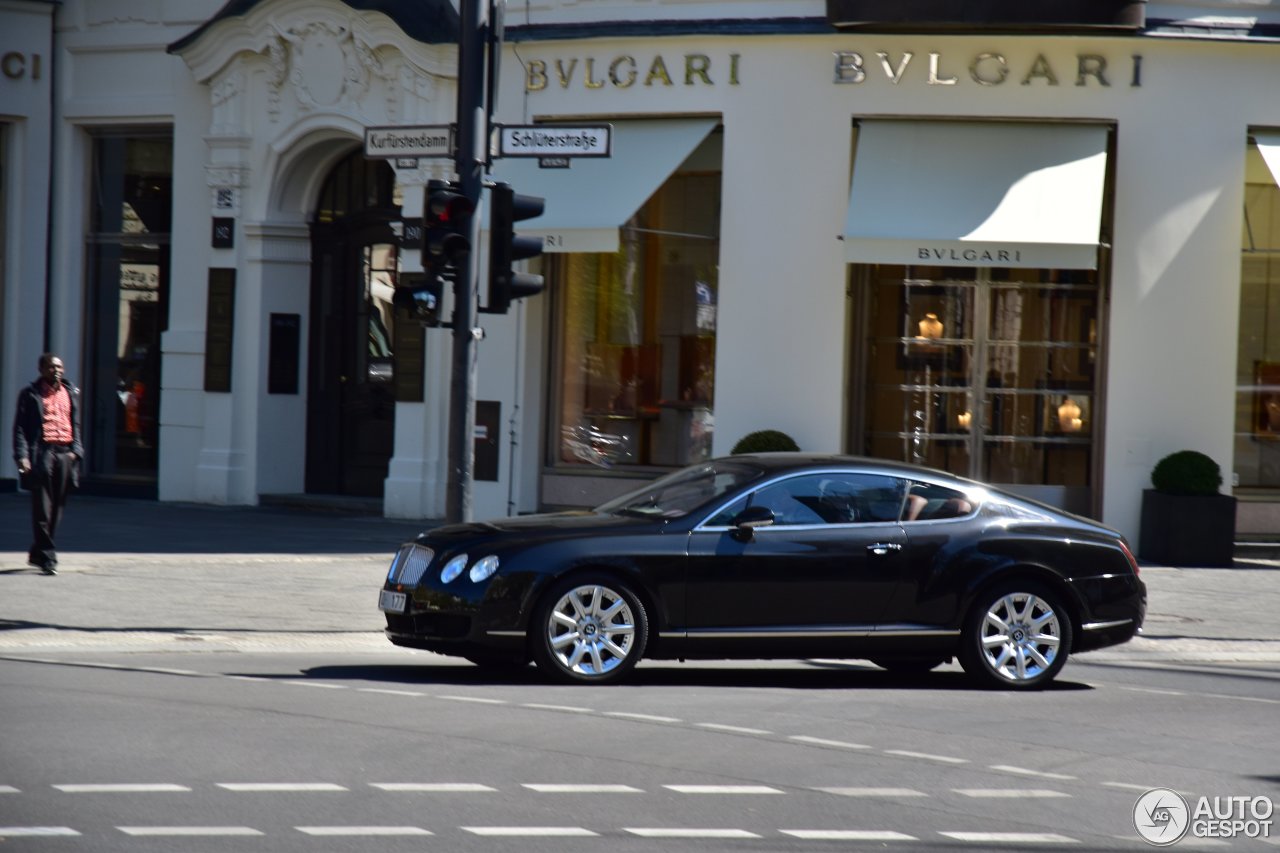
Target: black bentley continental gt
776	555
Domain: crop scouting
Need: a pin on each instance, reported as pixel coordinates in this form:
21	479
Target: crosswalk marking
530	831
1010	837
126	788
874	792
362	830
722	789
1009	793
280	786
434	787
676	832
848	835
188	830
32	831
581	789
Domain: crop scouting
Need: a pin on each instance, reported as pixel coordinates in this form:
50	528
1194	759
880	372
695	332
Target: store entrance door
351	389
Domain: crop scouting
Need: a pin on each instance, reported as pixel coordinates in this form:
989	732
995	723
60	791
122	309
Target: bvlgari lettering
985	69
996	256
623	72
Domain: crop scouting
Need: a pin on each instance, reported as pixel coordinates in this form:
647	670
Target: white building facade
1033	252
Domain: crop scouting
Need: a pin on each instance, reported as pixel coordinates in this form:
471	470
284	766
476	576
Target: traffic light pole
470	157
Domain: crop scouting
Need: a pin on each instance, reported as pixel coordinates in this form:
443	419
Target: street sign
428	140
550	140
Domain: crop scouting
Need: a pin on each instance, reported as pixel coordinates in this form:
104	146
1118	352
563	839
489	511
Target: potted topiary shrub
765	441
1185	520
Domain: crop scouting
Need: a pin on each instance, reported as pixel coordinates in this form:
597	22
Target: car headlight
453	568
484	568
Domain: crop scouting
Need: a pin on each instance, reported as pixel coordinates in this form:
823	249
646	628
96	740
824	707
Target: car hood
551	525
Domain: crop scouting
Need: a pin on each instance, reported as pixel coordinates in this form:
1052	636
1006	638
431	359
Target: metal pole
473	140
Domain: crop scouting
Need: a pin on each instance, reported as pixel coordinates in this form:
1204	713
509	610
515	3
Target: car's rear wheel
908	666
1017	636
589	630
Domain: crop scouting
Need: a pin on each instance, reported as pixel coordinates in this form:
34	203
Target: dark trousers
51	474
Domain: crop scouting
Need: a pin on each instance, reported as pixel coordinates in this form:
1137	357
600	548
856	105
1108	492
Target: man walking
47	448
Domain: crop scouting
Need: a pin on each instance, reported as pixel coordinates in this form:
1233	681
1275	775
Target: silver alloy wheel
591	630
1021	636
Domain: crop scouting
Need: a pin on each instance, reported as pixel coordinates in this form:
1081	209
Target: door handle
882	548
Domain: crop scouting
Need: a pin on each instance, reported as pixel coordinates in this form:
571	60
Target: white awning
1269	147
589	201
995	194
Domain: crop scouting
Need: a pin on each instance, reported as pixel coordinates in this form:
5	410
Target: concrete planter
1187	530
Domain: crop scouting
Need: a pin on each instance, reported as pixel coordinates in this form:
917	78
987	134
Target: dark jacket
28	423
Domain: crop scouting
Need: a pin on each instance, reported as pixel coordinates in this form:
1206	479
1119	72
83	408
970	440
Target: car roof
780	462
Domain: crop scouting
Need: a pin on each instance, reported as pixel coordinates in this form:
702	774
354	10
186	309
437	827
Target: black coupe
775	556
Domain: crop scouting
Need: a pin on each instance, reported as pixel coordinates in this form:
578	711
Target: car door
816	580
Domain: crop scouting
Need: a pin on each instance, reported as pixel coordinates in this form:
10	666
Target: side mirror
745	522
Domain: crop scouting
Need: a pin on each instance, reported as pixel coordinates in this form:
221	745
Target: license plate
392	602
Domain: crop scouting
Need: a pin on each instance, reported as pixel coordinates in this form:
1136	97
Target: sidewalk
142	575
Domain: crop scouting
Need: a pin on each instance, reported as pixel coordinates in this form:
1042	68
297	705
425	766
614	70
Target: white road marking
1262	699
573	709
247	678
1129	786
362	830
130	788
737	729
848	835
817	741
1153	690
320	684
1023	771
477	699
722	789
530	831
1010	837
9	789
189	830
257	787
580	789
672	832
1009	793
389	692
945	759
164	671
434	787
30	831
650	718
874	792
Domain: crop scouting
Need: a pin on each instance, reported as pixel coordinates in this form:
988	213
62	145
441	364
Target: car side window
826	498
929	502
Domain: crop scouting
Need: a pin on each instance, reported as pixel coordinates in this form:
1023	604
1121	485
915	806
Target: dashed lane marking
1039	774
722	789
434	787
848	835
530	831
32	831
258	787
324	685
387	692
572	709
1010	837
9	789
127	788
1009	793
1128	786
479	700
646	718
677	832
362	830
873	792
818	741
720	727
581	789
188	830
927	756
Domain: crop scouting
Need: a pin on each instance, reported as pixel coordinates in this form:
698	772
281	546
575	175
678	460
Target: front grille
410	564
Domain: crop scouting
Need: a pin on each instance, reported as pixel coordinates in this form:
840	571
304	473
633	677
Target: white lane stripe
189	830
247	678
31	831
874	792
650	718
1241	698
319	684
362	830
1128	786
479	700
166	671
817	741
736	729
722	789
280	786
673	832
1153	690
141	788
1010	837
434	787
389	692
530	831
1009	793
573	709
9	789
1023	771
847	835
945	759
580	789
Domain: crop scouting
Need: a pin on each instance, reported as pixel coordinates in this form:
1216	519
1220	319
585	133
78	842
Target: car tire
1017	636
589	630
909	666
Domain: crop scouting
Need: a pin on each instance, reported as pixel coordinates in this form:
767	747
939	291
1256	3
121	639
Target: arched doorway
355	260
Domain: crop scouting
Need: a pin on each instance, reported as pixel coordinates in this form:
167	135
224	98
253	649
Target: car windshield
680	493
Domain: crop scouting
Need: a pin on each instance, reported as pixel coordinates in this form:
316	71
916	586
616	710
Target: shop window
128	288
635	337
1257	422
985	373
4	225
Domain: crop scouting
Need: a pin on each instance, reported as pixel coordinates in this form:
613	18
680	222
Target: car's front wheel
1016	636
589	630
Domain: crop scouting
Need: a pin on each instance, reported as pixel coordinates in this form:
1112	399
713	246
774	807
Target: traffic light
446	227
419	294
505	248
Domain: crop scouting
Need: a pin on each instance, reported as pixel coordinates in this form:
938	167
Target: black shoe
49	568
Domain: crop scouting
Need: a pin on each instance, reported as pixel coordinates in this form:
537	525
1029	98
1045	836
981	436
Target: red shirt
56	403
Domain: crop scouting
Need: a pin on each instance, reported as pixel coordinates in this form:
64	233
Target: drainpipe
47	345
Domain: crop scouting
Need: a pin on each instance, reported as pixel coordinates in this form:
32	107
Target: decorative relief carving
227	98
325	63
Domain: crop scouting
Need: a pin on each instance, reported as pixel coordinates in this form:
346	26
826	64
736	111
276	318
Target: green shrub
765	441
1187	472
